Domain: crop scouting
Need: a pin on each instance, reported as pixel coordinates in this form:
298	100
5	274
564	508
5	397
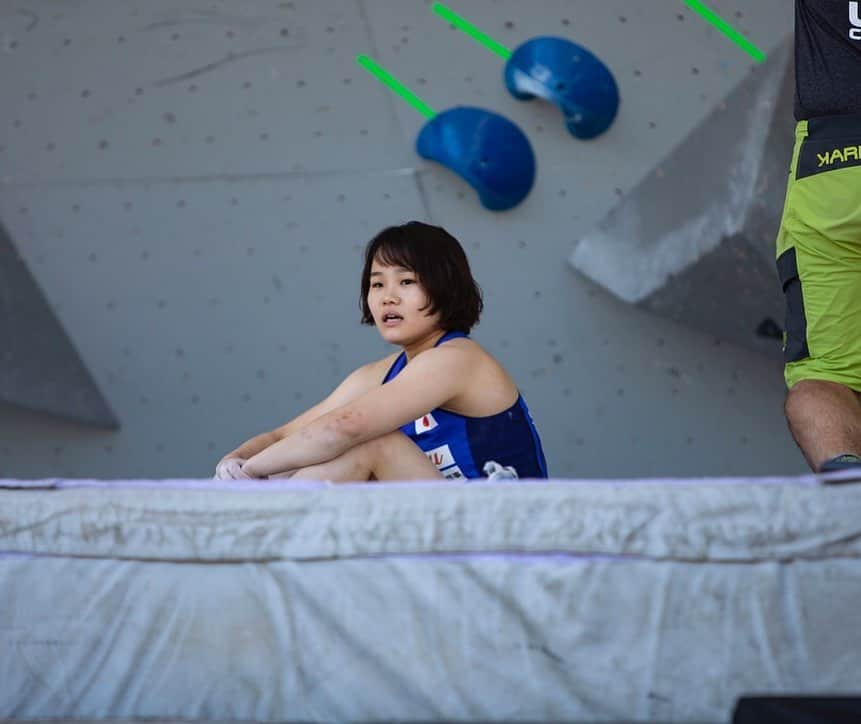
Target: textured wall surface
190	185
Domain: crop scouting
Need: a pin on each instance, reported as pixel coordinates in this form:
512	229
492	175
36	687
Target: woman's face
396	298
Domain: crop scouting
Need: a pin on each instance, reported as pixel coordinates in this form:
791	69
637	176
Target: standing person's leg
388	457
825	420
819	263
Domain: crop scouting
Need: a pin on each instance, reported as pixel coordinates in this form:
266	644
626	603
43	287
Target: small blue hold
487	150
569	76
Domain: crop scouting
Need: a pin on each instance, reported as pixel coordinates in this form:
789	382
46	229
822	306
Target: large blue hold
568	75
488	151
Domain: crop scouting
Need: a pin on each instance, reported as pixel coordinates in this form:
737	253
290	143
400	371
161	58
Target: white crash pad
575	600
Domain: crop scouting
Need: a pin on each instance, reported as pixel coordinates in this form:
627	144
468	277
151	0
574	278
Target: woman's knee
371	451
387	444
381	452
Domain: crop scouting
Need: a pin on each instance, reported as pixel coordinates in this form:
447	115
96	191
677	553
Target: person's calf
825	421
354	465
396	457
392	456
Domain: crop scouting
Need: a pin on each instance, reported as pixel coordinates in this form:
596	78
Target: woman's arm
432	379
355	384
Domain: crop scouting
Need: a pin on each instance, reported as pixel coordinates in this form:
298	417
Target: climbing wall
189	188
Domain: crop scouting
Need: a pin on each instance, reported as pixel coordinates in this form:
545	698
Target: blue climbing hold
487	150
569	76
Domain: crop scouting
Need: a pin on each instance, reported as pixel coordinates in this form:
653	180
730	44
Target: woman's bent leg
389	457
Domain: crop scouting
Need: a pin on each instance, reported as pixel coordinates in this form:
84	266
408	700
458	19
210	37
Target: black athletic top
827	58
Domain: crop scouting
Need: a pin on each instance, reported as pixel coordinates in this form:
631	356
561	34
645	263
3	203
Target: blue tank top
460	446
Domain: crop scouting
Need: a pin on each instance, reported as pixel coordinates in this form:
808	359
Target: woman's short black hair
440	264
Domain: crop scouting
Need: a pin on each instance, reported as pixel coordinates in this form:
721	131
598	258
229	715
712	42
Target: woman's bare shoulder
469	347
474	358
488	388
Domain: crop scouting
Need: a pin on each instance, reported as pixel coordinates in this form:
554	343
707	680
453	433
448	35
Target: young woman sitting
440	407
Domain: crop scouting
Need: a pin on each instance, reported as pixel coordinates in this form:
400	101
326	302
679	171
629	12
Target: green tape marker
726	29
473	32
386	78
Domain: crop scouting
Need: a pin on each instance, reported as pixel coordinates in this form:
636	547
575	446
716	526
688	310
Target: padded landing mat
558	600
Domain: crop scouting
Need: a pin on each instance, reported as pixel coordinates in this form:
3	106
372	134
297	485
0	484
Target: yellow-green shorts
819	253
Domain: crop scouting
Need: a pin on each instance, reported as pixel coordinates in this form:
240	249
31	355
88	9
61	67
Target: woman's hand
231	469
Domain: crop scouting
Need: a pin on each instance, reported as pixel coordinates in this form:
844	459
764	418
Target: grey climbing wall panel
694	240
191	186
40	369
